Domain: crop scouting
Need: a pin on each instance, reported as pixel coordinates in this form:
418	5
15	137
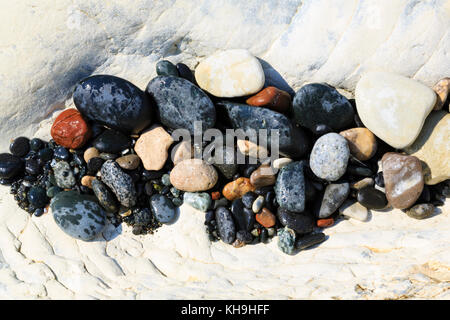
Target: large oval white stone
230	73
393	107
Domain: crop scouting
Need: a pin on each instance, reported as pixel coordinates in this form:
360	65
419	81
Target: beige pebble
361	141
442	88
87	181
182	151
281	162
129	162
90	153
263	176
152	147
193	175
366	182
251	149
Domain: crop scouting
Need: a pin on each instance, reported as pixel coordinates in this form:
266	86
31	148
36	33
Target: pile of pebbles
114	157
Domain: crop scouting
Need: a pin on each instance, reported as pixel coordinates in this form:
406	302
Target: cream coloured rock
230	73
193	175
393	107
251	149
152	147
353	209
182	151
432	147
442	88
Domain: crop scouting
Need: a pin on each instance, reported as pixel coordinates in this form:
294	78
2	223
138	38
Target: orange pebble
215	195
323	223
266	218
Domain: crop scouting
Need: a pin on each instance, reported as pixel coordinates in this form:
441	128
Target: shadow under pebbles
274	78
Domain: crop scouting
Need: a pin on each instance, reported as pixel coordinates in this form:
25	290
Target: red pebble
70	130
215	195
323	223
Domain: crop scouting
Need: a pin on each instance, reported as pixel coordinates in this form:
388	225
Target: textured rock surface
369	260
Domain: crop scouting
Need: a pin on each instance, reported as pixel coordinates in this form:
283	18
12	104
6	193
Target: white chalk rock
393	107
230	73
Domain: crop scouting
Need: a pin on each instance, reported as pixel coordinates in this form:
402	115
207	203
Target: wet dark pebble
32	167
244	236
111	141
248	199
185	72
309	240
45	154
166	68
379	179
225	225
301	223
162	208
20	146
10	165
94	165
372	198
61	153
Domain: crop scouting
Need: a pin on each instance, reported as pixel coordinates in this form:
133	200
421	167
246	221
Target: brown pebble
271	98
129	162
215	195
90	153
87	181
237	188
442	88
361	141
266	218
263	176
193	175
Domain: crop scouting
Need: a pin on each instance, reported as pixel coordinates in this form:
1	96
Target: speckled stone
421	211
333	197
119	182
179	103
63	175
79	216
166	68
362	142
113	102
198	200
37	197
225	225
286	240
318	103
163	209
104	196
329	157
290	187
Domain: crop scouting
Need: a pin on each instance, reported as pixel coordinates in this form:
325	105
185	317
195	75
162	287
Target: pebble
198	200
359	171
165	179
354	210
104	196
318	103
113	102
372	198
19	146
266	218
366	182
442	88
152	147
52	191
302	223
61	153
362	142
224	159
108	156
420	211
334	195
281	162
94	165
242	216
37	197
309	240
79	216
264	176
321	129
182	151
286	240
393	107
193	175
225	225
329	157
111	141
87	181
271	98
258	204
432	147
10	166
248	198
180	103
163	208
324	223
32	167
64	176
45	154
403	179
237	188
290	187
166	68
244	236
185	72
119	182
251	149
292	141
129	162
230	73
70	130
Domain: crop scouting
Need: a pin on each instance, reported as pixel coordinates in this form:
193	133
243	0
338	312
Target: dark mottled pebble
248	198
244	236
37	197
32	167
45	154
119	182
10	165
301	223
166	68
111	141
105	196
61	153
290	187
309	240
162	208
421	211
225	225
335	194
94	165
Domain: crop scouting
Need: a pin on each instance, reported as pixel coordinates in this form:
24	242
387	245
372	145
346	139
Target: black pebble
10	166
185	72
379	179
94	165
38	212
248	199
321	129
244	236
309	240
371	198
32	167
36	144
20	146
45	154
61	153
209	216
37	197
249	170
264	236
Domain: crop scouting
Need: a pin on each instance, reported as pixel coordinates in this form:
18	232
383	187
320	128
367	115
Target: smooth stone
264	176
37	197
302	222
185	72
325	223
222	202
70	130
366	182
403	179
362	142
354	210
52	191
108	156
94	165
45	154
333	197
111	141
87	181
271	98
120	183
258	204
165	179
321	129
152	147
225	225
79	216
310	190
379	179
113	102
442	88
421	211
329	157
36	144
290	187
266	218
372	198
163	208
286	240
251	149
281	162
182	151
359	171
224	159
309	240
64	176
129	162
432	147
237	188
240	217
193	175
230	73
318	103
179	103
292	141
141	217
10	165
19	146
32	167
393	107
61	153
248	199
198	200
244	236
104	196
166	68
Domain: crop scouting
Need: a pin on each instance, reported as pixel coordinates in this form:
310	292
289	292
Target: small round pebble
61	153
421	211
258	204
163	208
20	146
37	197
36	144
286	240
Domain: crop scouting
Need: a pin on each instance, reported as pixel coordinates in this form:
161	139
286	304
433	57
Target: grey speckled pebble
329	156
290	187
421	211
335	194
200	201
104	196
120	183
80	216
286	240
63	175
225	225
163	208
